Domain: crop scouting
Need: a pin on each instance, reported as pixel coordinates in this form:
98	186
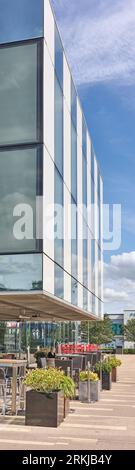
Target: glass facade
19	82
41	141
58	57
73	163
73	105
20	272
21	19
19	182
74	270
58	126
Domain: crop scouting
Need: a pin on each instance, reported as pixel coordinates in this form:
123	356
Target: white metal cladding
67	287
48	120
49	28
48	275
67	83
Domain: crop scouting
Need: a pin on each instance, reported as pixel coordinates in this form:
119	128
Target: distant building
118	321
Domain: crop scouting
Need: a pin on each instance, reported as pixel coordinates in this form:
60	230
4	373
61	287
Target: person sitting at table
51	353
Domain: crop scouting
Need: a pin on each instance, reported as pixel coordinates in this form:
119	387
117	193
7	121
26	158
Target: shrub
114	361
84	375
50	380
105	366
129	351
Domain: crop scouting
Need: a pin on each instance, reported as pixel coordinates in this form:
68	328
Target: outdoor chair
66	365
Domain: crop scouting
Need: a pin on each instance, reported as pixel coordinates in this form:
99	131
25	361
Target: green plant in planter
114	361
67	385
105	366
50	380
84	375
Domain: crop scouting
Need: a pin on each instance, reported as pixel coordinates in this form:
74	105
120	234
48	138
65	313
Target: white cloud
119	282
99	37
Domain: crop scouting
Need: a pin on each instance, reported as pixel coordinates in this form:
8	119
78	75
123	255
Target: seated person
51	353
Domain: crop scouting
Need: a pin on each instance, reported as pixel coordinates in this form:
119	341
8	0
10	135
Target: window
59	281
58	127
58	229
21	19
84	180
19	94
58	57
20	172
73	105
85	298
21	272
84	135
73	163
93	264
85	265
92	163
74	271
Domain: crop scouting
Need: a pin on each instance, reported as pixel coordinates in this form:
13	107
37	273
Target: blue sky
99	37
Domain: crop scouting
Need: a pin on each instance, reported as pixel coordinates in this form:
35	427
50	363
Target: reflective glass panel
59	281
58	127
73	163
84	179
21	19
93	264
84	145
73	105
85	298
19	178
58	57
21	272
74	271
58	228
19	94
92	162
74	238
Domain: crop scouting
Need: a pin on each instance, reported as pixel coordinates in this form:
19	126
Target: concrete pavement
108	424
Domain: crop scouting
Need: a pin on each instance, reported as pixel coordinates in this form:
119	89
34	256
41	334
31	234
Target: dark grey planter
44	410
83	391
106	381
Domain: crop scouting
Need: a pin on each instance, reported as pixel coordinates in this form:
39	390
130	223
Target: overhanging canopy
38	306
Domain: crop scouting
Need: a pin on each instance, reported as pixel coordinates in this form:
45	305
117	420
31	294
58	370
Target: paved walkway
108	424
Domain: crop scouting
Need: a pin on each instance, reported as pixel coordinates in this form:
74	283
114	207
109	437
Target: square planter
44	410
114	374
83	391
94	391
106	380
66	406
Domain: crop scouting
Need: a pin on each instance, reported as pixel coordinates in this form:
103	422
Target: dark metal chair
66	365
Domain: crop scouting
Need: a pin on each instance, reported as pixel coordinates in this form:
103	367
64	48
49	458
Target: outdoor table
13	364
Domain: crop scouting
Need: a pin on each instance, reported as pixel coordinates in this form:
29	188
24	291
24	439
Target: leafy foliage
129	330
97	332
105	366
84	375
114	361
50	380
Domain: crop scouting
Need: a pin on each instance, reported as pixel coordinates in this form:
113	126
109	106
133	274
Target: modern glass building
51	248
